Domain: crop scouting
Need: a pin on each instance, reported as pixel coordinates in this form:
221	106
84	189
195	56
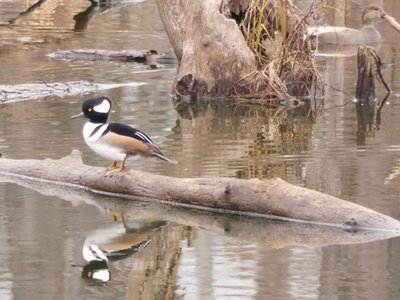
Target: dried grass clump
276	31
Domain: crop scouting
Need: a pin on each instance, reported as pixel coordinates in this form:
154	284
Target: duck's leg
112	167
123	162
121	168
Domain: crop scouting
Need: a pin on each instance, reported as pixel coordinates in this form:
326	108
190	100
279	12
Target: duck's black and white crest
114	141
97	110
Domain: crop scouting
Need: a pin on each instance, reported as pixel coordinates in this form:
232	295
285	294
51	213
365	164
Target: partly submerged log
21	92
254	197
140	56
271	232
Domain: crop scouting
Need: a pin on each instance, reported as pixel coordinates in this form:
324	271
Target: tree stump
365	90
210	48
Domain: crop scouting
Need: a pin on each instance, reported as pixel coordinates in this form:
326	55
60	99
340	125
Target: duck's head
372	13
96	110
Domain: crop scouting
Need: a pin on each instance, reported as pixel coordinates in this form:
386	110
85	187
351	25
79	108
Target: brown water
183	253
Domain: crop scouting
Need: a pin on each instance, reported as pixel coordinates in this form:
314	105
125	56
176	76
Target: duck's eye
89	109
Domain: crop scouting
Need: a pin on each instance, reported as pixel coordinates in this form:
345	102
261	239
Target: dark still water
50	235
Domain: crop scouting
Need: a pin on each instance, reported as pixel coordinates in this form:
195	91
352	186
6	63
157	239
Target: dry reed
276	33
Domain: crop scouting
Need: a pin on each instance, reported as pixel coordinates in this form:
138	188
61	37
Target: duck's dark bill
78	115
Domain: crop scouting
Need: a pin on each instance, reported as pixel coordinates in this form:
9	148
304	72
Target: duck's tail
156	151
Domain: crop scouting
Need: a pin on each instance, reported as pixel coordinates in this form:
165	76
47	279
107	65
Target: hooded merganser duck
114	141
349	36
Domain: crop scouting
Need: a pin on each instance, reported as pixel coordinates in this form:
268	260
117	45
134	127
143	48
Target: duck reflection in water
115	242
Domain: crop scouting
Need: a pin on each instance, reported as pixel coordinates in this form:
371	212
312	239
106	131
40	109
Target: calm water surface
47	232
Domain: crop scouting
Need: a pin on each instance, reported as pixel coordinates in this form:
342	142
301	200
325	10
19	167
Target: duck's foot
113	166
109	170
115	170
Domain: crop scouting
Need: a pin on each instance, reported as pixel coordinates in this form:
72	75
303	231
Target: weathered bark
21	92
267	197
140	56
210	48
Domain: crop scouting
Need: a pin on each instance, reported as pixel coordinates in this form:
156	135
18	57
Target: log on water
21	92
253	196
271	232
140	56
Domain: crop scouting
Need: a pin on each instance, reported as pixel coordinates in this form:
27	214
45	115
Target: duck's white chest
92	134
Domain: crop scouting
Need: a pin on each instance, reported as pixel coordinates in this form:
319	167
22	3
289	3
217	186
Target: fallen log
140	56
28	91
228	195
272	232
